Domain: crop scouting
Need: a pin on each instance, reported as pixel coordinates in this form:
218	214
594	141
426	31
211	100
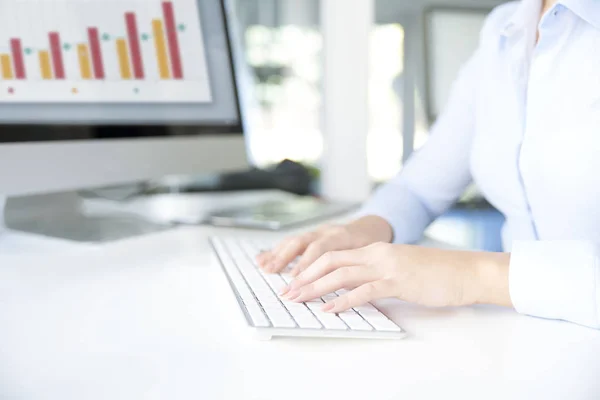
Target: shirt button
557	9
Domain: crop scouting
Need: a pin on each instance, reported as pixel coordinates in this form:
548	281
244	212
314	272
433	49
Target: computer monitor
100	92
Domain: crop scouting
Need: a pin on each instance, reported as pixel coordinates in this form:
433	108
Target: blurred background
284	46
284	49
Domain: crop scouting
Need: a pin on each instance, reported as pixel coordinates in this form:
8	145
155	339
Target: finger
338	279
365	293
329	241
313	252
269	255
289	252
326	264
264	259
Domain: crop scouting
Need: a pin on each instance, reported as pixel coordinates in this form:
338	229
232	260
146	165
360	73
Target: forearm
484	274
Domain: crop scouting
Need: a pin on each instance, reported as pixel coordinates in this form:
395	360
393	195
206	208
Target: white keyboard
270	315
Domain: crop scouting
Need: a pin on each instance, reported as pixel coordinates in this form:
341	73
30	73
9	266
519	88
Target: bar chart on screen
102	51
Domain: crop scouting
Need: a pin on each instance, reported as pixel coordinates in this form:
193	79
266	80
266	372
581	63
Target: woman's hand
313	245
426	276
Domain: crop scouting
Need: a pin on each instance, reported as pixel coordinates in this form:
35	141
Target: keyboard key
280	319
309	323
298	310
355	321
258	317
273	306
246	295
275	281
382	323
330	321
251	251
306	319
367	312
293	306
367	308
314	305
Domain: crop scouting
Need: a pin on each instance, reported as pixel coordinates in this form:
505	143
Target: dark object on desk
288	176
280	214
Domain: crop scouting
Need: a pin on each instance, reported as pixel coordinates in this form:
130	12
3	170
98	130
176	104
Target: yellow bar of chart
7	71
161	49
45	67
124	63
85	64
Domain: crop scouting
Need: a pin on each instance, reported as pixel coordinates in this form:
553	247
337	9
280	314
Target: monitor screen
130	66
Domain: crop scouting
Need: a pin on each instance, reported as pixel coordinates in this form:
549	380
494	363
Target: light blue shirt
523	123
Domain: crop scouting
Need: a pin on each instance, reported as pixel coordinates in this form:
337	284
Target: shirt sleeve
557	280
436	175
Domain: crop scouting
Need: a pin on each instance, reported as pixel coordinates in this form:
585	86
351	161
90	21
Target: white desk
153	318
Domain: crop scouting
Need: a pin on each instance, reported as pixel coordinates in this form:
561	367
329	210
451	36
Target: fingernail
327	307
292	295
284	291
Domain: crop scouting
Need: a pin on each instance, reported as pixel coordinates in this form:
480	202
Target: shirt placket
522	59
530	87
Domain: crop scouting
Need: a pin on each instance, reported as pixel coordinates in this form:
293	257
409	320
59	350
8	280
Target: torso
536	150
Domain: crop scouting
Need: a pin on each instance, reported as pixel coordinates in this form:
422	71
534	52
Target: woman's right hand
312	245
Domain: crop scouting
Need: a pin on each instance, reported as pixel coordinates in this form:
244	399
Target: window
285	56
385	101
285	59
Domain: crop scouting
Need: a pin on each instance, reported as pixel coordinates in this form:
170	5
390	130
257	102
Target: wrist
491	279
373	228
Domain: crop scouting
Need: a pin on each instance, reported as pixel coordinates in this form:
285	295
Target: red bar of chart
57	57
134	45
173	39
18	60
96	50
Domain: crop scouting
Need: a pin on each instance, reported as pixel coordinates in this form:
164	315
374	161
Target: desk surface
153	318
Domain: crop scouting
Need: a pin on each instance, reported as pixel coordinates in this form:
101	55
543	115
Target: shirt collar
587	10
529	11
523	17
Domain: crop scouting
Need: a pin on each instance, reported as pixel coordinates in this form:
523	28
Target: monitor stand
64	216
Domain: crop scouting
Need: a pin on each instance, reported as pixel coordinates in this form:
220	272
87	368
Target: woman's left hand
426	276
